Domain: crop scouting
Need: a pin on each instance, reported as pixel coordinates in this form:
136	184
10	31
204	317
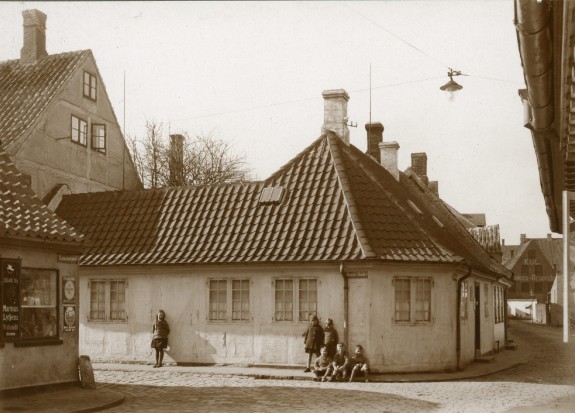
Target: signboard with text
10	272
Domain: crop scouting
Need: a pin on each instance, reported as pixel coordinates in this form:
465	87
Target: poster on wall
10	272
69	289
69	318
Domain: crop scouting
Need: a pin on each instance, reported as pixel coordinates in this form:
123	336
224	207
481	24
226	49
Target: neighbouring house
39	298
546	41
56	120
238	268
535	263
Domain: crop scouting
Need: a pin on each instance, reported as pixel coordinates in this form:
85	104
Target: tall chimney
177	160
419	165
389	157
522	239
34	47
335	113
374	138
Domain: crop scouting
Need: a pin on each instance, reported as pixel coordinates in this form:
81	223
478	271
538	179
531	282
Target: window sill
36	342
108	321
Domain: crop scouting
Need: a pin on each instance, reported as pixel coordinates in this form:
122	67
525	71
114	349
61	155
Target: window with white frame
99	137
79	130
89	85
486	299
412	299
464	297
499	304
108	300
229	300
295	299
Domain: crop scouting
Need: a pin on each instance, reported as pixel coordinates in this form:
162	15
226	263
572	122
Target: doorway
477	318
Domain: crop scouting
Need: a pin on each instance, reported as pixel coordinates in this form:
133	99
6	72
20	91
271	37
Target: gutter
343	273
458	316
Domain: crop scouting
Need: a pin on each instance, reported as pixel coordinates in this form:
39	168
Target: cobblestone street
548	378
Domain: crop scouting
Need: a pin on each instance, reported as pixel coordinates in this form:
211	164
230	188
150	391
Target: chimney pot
34	45
389	157
374	138
419	165
522	239
335	113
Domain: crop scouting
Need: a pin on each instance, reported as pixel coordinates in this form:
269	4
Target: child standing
359	363
160	329
313	340
330	337
322	366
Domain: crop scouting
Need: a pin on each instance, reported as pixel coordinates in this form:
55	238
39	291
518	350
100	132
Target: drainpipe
458	316
345	302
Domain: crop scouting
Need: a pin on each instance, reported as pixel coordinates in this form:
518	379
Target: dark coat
313	339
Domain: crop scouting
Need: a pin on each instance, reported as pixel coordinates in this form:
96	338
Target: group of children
332	362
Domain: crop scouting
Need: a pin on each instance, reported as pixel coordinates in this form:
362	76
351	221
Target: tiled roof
338	204
26	90
22	213
552	249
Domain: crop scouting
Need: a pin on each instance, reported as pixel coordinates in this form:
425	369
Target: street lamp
452	85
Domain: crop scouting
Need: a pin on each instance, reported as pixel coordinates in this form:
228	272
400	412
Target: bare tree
186	160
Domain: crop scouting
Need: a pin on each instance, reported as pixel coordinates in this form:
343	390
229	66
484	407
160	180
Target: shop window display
38	300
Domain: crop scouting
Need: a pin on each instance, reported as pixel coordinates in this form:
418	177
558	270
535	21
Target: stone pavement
77	399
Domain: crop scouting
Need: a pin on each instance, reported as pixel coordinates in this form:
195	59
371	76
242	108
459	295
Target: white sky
253	72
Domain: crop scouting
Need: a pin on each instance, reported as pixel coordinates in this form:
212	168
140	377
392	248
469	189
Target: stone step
510	346
484	359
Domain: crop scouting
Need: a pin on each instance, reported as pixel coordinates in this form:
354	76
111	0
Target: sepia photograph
279	206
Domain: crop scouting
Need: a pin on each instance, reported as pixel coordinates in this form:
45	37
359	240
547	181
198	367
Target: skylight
271	195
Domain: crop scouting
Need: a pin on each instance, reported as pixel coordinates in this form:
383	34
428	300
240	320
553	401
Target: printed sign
361	274
69	289
10	272
69	318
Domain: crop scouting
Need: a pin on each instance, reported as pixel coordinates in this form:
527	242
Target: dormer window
99	137
271	195
79	131
89	86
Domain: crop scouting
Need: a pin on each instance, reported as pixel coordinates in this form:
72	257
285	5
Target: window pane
97	297
218	300
38	317
117	300
240	300
283	300
307	298
99	137
422	299
402	299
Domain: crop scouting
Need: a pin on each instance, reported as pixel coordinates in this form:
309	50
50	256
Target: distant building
239	268
57	122
535	263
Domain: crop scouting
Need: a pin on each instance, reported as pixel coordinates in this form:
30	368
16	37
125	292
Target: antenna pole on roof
369	133
124	136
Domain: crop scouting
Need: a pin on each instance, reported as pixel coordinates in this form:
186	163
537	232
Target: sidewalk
79	400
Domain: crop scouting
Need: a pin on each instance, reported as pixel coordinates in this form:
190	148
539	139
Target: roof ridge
333	142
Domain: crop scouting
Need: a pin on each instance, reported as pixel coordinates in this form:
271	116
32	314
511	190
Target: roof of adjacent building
489	237
337	204
22	213
551	248
26	90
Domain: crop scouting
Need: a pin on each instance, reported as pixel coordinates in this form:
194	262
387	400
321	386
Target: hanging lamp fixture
452	85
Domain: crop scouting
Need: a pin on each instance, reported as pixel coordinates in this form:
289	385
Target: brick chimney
335	113
389	157
177	160
434	186
522	239
374	138
419	165
34	47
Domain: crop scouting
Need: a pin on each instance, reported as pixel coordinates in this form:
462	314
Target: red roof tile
26	90
338	204
22	213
